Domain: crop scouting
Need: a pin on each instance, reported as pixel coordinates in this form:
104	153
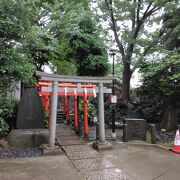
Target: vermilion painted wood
85	115
75	112
68	109
66	101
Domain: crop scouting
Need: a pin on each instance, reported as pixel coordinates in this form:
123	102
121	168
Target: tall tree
161	77
131	22
88	48
15	64
171	29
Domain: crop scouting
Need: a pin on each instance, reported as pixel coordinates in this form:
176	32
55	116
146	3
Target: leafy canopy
88	48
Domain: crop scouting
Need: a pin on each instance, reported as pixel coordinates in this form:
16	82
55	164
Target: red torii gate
67	90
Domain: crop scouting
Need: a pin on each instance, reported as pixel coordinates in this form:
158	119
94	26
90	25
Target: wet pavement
144	162
40	168
81	162
89	163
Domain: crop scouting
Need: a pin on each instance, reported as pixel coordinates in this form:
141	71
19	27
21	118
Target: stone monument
30	111
30	122
134	129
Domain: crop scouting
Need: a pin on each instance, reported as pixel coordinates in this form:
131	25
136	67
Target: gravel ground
21	153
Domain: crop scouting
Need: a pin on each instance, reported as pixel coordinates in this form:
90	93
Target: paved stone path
89	162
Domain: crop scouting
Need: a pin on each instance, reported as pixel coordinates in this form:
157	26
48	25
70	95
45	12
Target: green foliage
64	19
88	48
15	64
91	111
8	110
64	67
41	46
171	28
46	118
4	128
161	82
137	30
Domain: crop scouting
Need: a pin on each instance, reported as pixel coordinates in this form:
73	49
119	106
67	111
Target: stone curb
146	144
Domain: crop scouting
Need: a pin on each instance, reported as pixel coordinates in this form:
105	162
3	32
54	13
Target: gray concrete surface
144	162
124	162
41	168
86	160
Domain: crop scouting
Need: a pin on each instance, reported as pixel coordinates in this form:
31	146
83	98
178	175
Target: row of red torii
50	85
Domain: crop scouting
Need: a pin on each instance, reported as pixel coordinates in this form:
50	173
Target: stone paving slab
105	174
74	148
65	142
92	164
65	134
82	154
69	137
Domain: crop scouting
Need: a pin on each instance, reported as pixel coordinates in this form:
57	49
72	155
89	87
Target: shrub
8	110
46	117
91	111
4	128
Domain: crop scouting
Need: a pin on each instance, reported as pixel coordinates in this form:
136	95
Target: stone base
113	136
28	137
102	146
51	151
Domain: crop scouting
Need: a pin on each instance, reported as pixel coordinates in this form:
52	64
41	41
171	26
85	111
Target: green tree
161	77
15	64
171	29
131	22
88	48
161	82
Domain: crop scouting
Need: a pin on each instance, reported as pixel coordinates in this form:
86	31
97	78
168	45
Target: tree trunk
126	82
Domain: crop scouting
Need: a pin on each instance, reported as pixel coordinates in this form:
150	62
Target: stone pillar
53	114
101	143
153	133
101	114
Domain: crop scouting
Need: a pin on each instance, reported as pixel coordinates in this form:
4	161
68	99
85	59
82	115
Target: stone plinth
28	137
134	129
47	151
102	146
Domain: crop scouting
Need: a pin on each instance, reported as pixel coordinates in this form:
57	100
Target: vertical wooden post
64	104
85	115
68	110
75	112
46	102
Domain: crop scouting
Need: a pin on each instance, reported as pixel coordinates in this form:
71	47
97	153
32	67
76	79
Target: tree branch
146	50
134	15
138	10
146	14
146	11
114	26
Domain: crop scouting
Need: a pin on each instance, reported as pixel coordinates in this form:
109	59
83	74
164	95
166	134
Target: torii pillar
53	114
101	143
